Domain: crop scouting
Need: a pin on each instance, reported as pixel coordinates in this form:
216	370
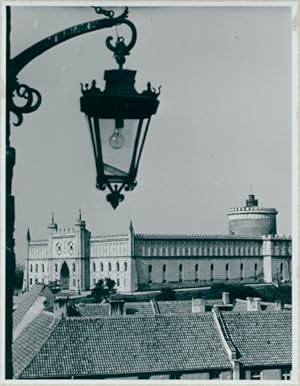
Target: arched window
180	272
212	273
242	271
55	267
125	266
196	272
255	271
94	267
118	266
109	266
73	267
150	274
164	271
281	271
227	271
43	268
36	268
30	267
101	267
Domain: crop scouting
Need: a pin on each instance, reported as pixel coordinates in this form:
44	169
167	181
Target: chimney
198	305
278	305
60	308
116	306
253	304
225	298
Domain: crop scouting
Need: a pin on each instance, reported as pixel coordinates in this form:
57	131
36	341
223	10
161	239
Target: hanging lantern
119	119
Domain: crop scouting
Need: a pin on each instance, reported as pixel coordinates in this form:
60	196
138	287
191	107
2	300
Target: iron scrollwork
121	50
31	96
32	99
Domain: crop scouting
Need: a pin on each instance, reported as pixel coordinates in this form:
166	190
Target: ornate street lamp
118	106
118	119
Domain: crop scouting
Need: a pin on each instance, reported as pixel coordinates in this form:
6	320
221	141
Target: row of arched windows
212	272
37	268
110	266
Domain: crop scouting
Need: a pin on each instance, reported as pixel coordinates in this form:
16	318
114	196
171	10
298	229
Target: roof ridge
231	348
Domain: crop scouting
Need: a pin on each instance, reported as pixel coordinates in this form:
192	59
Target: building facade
251	252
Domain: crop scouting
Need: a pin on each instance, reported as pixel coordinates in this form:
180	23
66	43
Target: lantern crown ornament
118	118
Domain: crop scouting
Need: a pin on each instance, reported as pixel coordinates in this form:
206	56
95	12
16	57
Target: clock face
58	248
71	247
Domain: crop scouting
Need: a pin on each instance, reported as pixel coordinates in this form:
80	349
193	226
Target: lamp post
118	106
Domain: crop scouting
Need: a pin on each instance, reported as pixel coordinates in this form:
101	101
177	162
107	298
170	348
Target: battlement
253	209
110	237
34	243
194	236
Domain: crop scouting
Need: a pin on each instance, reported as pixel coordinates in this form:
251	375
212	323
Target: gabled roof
27	301
261	337
86	347
30	341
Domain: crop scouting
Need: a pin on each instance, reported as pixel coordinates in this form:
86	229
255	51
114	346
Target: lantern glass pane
117	140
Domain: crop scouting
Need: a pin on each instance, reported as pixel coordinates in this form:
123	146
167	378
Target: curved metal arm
21	60
14	66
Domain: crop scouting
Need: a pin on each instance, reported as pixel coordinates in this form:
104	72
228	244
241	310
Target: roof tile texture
27	301
261	337
128	344
30	341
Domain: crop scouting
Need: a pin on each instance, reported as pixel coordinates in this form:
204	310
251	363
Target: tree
19	274
166	293
103	289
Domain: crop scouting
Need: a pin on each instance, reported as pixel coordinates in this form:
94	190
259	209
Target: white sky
224	120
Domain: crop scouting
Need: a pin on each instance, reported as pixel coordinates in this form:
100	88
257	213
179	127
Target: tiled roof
93	309
241	305
98	309
129	345
26	302
139	308
144	308
29	342
175	307
261	337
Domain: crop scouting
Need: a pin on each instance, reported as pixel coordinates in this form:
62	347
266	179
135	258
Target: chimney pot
116	306
198	305
225	298
278	305
253	304
60	310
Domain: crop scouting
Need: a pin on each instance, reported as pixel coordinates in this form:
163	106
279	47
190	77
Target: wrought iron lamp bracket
31	96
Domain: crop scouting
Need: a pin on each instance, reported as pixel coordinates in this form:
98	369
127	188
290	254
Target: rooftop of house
115	346
129	345
261	337
26	302
30	341
241	305
145	308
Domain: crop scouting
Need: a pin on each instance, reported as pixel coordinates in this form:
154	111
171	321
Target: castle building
251	252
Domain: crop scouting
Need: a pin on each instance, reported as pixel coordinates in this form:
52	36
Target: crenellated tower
251	220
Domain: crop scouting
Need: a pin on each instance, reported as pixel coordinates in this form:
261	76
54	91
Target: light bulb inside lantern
117	141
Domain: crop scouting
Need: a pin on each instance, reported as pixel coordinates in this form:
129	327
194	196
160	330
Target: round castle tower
250	220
